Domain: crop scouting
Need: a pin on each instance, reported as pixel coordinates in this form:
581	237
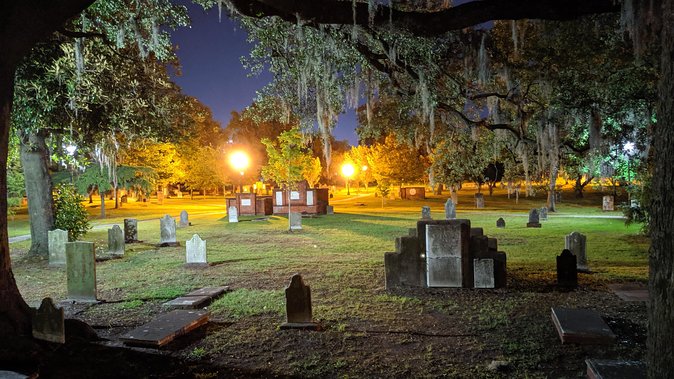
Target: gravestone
196	251
543	213
567	274
184	219
484	273
405	267
81	271
450	210
630	291
454	196
168	232
576	243
131	230
295	221
447	255
500	223
116	240
607	203
329	209
48	324
160	197
534	221
57	247
479	201
615	369
298	306
233	214
426	213
165	328
558	196
581	326
124	199
196	299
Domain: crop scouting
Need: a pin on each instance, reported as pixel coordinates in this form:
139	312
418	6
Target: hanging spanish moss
513	26
79	58
354	31
482	64
119	43
139	39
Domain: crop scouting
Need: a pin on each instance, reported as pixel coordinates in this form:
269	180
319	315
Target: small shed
303	200
251	204
413	193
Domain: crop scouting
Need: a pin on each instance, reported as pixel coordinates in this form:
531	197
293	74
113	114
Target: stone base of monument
169	244
302	326
533	224
165	328
615	369
581	326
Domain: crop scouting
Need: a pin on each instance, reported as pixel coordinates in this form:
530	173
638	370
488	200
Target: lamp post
239	161
347	171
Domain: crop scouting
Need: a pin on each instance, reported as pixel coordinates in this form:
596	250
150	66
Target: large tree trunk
35	161
661	278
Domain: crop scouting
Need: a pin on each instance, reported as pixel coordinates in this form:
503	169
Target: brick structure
303	200
250	204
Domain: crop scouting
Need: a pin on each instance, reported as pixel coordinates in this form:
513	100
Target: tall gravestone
500	223
81	271
295	220
534	221
167	225
607	203
567	274
195	249
116	240
450	210
57	247
48	322
233	214
479	201
184	219
298	305
426	213
131	230
447	255
543	213
576	243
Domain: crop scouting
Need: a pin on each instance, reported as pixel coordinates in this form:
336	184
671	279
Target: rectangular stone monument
405	267
450	210
131	230
484	273
57	247
534	221
447	255
426	213
233	214
581	326
479	201
81	271
116	241
196	251
607	203
576	243
295	221
196	299
48	322
168	232
184	219
543	213
298	306
567	274
500	223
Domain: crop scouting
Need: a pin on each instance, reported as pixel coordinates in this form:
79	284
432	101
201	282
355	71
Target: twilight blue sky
210	52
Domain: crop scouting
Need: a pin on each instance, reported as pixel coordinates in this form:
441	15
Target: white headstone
57	247
295	221
168	230
233	214
196	250
310	197
450	210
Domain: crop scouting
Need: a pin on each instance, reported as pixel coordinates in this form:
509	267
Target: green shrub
70	213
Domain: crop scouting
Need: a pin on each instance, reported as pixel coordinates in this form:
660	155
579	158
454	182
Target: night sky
210	52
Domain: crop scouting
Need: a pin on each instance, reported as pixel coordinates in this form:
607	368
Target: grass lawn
370	332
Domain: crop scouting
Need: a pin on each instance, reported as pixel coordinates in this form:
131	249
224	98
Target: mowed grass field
370	332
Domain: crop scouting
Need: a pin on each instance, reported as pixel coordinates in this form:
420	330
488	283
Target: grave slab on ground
197	299
165	328
615	369
630	291
12	375
209	291
581	326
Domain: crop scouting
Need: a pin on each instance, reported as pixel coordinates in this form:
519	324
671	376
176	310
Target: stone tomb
57	247
232	214
407	266
567	273
165	328
576	243
447	255
543	213
197	299
131	230
426	213
295	221
116	241
48	322
615	369
303	199
479	201
195	252
607	203
81	272
298	306
184	219
168	232
581	326
500	223
450	210
534	221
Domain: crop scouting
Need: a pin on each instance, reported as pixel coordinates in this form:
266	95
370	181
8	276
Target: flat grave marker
630	291
581	326
615	369
197	298
165	328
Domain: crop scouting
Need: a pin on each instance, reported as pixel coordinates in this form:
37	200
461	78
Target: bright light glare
71	149
364	168
347	170
239	160
629	147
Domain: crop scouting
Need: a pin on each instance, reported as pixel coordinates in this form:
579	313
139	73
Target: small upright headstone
295	221
131	230
576	243
48	324
544	213
450	210
567	274
168	231
160	197
81	271
124	199
607	203
329	209
57	247
534	221
233	214
426	213
500	223
184	219
196	251
558	196
298	305
479	201
116	240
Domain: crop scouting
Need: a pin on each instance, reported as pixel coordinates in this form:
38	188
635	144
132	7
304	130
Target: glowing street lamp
347	171
239	161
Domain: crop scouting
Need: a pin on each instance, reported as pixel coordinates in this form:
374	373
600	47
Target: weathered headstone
581	326
447	255
479	200
543	213
196	251
81	271
567	274
484	273
426	213
500	223
233	214
534	221
168	231
116	241
607	203
576	243
329	209
295	221
57	247
131	230
405	267
450	210
48	322
298	305
184	219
